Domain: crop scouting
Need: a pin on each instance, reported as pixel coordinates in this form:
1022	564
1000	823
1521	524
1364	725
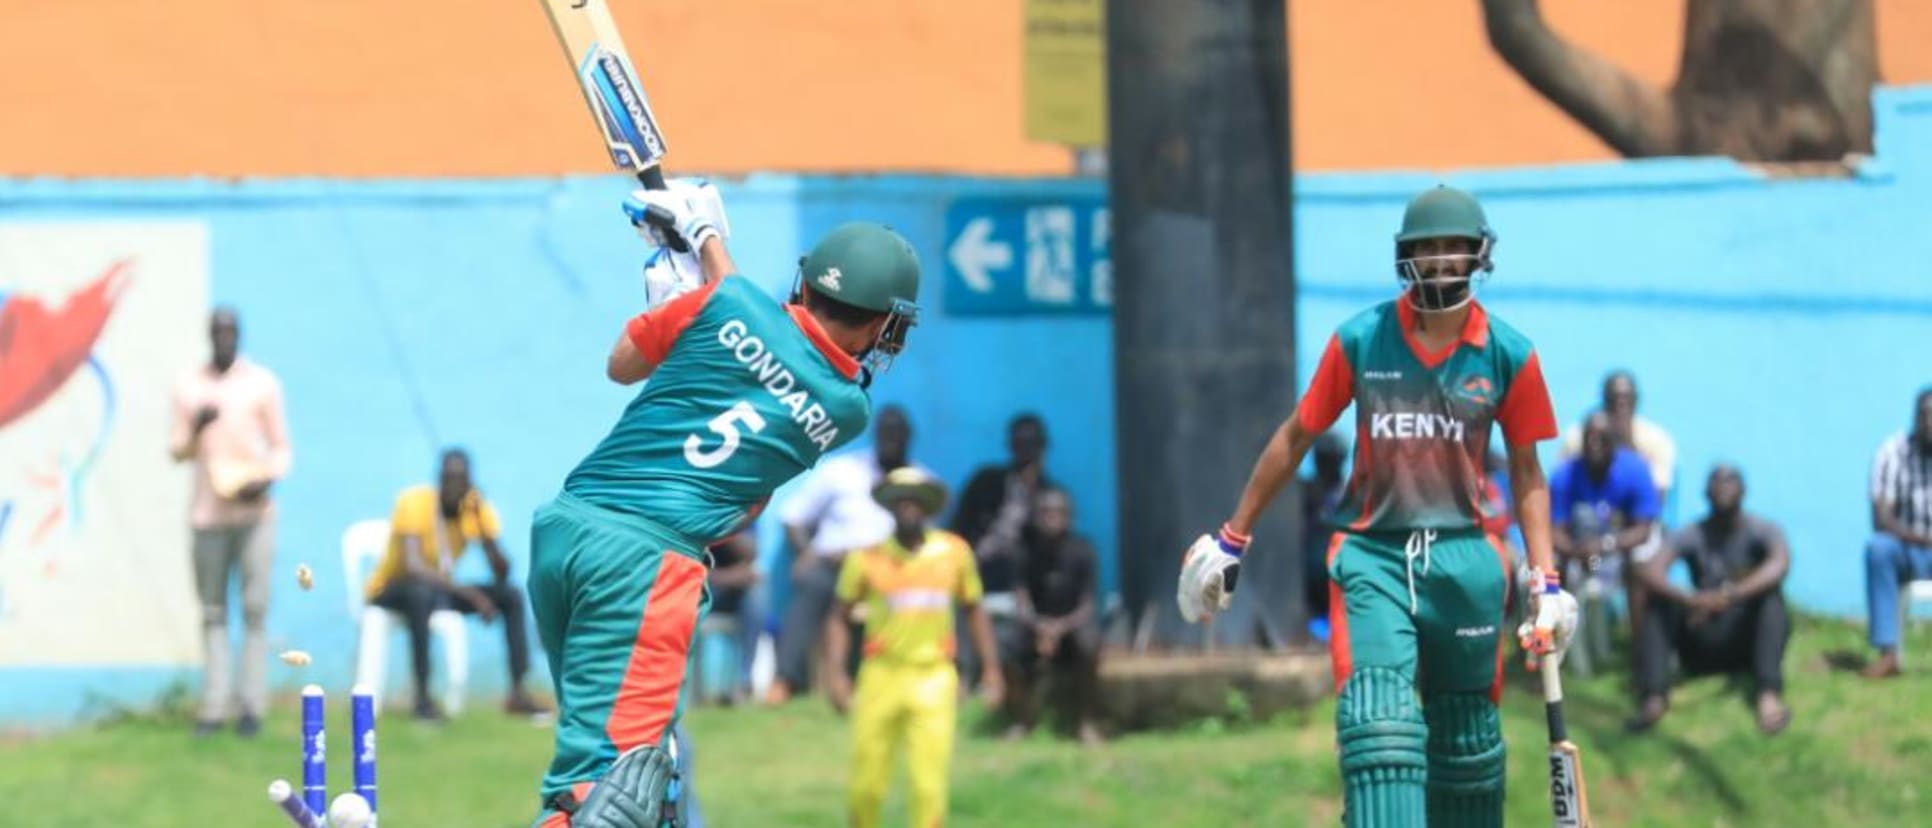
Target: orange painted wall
459	87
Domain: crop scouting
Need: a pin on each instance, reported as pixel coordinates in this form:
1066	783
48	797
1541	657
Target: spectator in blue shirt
1603	504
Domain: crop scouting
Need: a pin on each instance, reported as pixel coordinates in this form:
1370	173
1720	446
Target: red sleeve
653	332
1525	413
1332	390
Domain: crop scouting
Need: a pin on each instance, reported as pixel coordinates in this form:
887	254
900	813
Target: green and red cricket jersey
746	395
1422	420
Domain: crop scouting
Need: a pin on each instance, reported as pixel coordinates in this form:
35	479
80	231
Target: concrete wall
1782	324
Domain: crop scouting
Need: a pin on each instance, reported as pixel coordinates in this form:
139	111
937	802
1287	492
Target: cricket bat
1569	801
615	95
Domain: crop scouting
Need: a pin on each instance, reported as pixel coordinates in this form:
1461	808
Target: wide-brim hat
912	482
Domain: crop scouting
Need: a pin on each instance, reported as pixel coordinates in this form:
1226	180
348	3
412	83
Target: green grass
1856	754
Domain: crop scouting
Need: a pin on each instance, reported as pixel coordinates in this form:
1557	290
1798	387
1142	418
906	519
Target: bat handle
1553	700
653	179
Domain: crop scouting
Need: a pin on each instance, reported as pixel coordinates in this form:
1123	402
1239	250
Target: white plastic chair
363	545
1909	592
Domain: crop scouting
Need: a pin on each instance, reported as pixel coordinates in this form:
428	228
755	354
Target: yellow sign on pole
1066	72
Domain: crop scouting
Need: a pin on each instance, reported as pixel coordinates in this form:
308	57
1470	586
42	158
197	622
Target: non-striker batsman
744	394
1417	589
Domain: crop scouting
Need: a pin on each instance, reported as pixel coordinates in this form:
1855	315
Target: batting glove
691	212
669	274
1209	572
1553	620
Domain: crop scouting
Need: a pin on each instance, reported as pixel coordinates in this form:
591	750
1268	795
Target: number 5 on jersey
726	426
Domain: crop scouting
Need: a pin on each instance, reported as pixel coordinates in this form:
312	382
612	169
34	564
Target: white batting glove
1553	621
1209	571
690	209
669	274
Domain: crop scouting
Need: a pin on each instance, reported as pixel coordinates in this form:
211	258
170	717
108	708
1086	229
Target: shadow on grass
1845	661
1604	722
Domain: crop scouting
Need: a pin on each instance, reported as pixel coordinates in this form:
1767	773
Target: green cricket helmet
1443	281
870	267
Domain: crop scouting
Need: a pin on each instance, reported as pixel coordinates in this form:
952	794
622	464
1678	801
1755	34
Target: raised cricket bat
1569	801
614	93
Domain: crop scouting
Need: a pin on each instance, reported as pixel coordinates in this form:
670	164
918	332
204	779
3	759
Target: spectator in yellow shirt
908	689
428	532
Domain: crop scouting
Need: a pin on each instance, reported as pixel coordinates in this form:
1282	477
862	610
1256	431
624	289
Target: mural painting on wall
97	319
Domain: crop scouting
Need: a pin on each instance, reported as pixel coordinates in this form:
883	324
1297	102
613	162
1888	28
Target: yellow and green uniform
746	394
1417	588
418	513
907	694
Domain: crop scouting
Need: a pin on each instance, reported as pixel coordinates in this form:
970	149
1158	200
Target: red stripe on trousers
1338	652
1502	634
649	695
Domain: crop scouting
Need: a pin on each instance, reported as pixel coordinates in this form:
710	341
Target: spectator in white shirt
1901	546
833	513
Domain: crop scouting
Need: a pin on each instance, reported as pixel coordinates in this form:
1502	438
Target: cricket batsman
908	692
1417	589
744	394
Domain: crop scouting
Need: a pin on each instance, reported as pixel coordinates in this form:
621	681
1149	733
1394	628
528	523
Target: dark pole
1204	302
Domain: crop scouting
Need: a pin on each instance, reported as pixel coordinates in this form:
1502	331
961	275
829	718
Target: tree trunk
1760	80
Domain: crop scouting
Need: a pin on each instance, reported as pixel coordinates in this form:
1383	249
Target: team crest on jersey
1477	390
829	279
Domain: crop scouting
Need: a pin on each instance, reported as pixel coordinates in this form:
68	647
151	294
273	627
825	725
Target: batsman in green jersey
1418	591
744	394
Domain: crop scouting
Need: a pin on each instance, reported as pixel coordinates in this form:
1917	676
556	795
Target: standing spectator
1901	546
833	514
228	420
1649	440
992	516
1602	507
1060	574
429	530
1733	621
1321	495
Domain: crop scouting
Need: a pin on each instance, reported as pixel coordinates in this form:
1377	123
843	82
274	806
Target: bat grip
1553	700
653	179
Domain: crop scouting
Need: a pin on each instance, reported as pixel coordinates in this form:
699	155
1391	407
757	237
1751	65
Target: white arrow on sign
974	254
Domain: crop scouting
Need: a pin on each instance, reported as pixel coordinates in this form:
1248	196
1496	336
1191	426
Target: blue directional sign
1007	256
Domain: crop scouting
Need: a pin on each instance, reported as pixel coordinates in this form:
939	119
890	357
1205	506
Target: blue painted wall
1779	323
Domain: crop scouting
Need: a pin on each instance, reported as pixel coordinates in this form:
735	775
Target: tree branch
1636	120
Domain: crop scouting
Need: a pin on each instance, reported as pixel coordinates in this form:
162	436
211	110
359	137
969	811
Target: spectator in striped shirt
1901	547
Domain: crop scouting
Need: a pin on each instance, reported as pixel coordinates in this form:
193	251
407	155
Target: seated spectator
1900	550
429	531
1059	575
1649	440
1602	504
992	515
833	514
1602	508
1321	495
1734	618
733	573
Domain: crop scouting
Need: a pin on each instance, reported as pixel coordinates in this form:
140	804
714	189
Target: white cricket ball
349	810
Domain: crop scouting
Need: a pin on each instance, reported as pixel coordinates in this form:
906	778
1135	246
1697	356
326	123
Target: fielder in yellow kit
908	688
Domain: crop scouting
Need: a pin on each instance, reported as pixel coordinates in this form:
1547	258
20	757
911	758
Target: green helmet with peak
864	265
1443	212
1436	279
871	268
